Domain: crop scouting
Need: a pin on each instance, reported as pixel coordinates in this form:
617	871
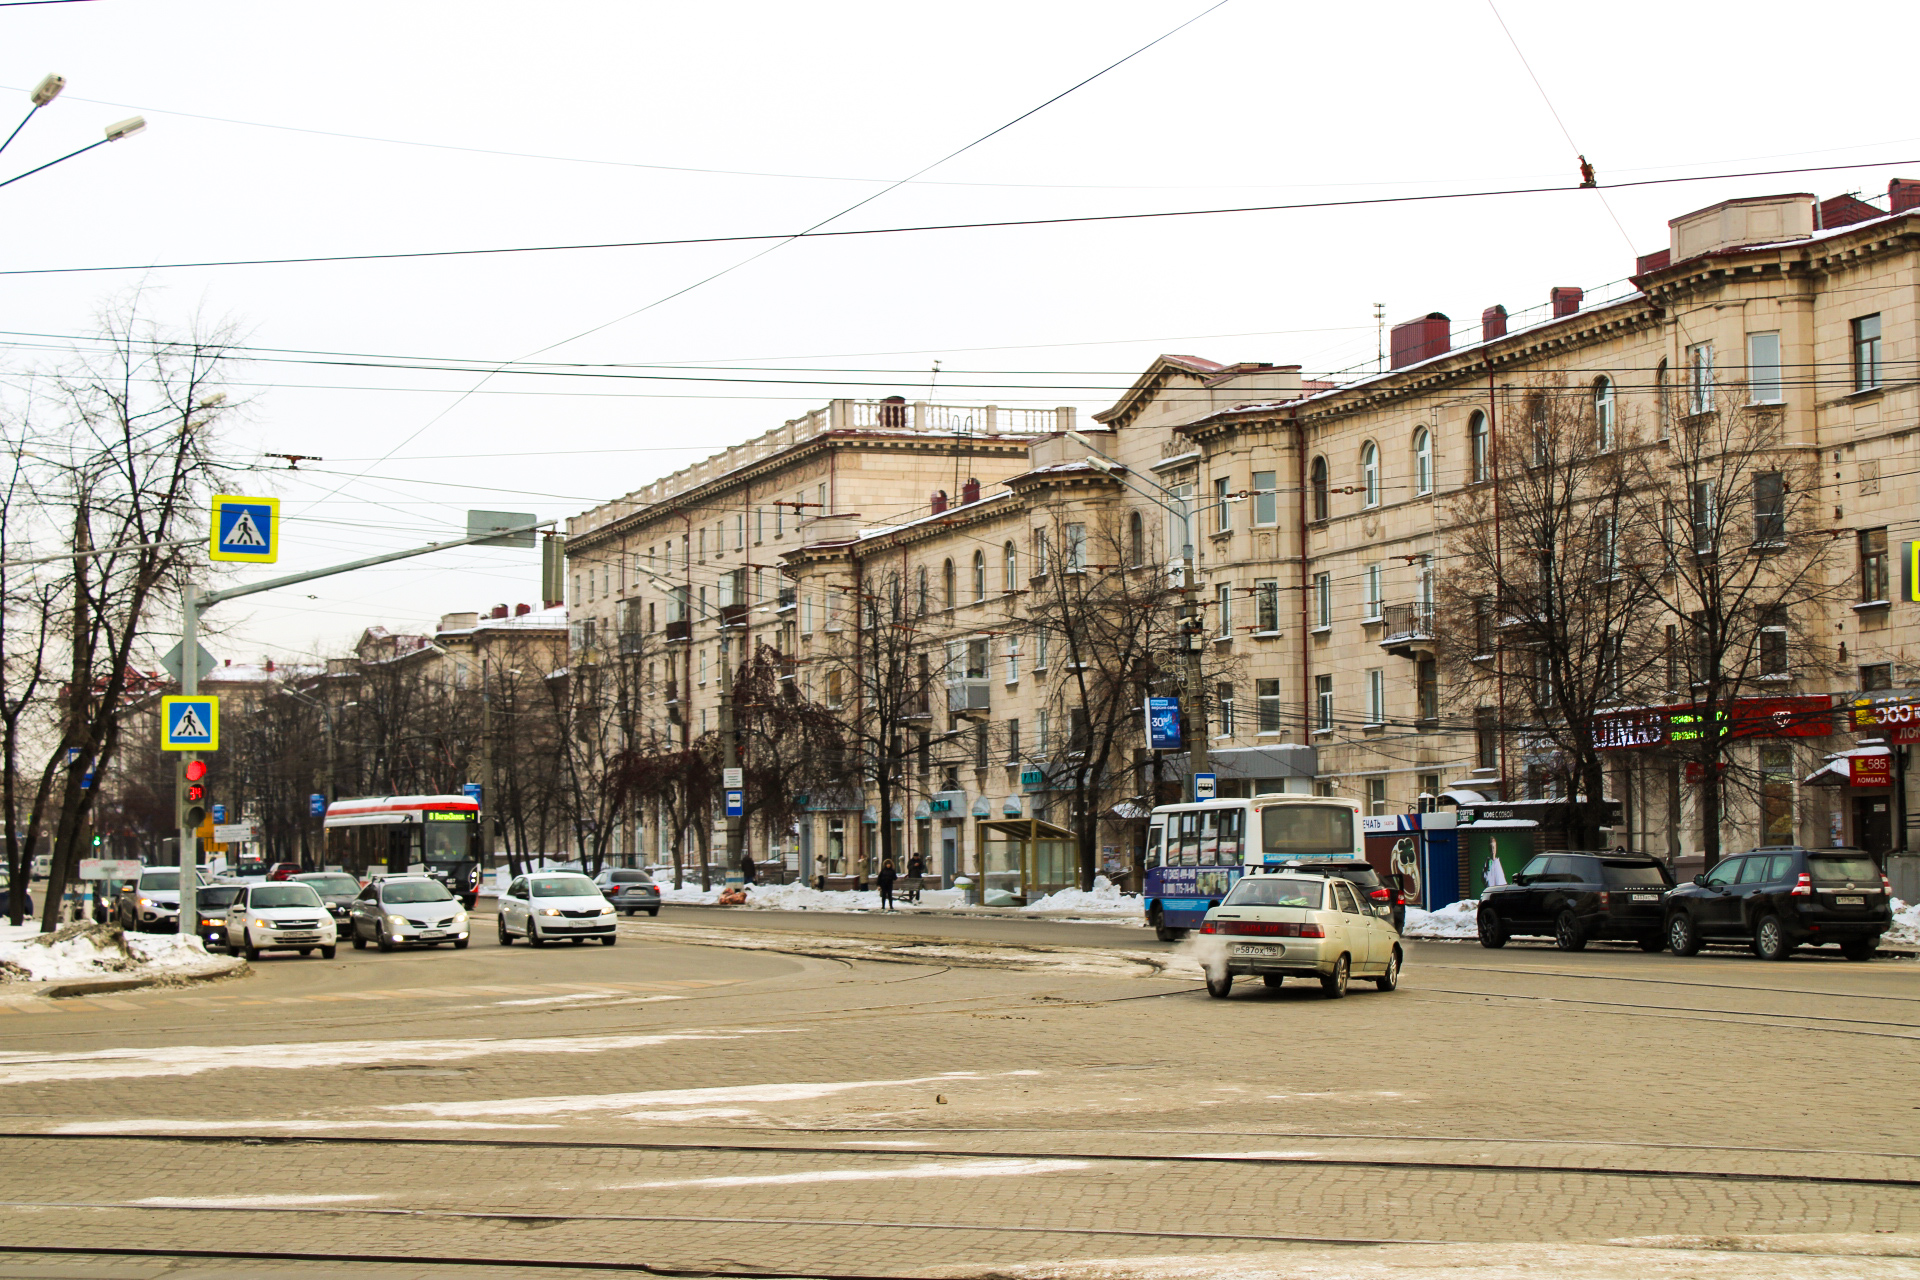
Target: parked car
1330	933
283	871
279	917
1383	897
336	889
546	908
1782	897
397	910
42	866
212	901
1576	898
630	890
151	904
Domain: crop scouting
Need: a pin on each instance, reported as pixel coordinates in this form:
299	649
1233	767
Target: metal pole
189	685
487	810
729	749
1191	626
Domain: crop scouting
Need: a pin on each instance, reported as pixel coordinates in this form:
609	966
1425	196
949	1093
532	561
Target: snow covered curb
1906	925
86	952
1457	921
1103	901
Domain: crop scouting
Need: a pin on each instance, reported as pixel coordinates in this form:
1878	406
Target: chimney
269	666
1421	339
522	610
499	611
1658	260
1565	299
1903	195
939	502
1493	323
969	492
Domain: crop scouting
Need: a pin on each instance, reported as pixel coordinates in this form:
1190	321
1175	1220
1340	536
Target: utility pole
1193	642
729	749
487	810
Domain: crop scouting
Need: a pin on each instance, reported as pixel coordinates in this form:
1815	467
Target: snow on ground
1906	924
1456	921
87	950
1103	900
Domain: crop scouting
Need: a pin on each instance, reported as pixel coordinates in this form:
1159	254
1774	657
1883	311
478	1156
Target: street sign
190	723
736	803
317	804
246	529
733	779
109	868
235	832
219	813
1163	724
472	791
172	662
1870	771
1203	786
479	522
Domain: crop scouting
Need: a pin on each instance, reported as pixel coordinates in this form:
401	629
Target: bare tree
789	746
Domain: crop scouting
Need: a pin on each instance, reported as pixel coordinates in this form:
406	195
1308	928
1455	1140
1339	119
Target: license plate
299	937
433	933
1850	902
1248	949
1646	897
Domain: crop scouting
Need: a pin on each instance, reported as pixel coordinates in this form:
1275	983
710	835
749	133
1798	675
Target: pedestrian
916	873
746	868
885	880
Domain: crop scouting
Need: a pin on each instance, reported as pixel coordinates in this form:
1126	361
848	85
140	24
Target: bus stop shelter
1022	859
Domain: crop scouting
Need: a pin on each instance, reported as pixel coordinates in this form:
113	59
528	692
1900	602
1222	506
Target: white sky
1258	103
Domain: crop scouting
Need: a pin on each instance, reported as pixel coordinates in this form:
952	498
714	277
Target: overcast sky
638	121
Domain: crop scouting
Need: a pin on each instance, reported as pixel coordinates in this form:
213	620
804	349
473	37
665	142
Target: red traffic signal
196	770
196	792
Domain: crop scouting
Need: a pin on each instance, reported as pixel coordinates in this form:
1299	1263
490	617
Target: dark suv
1575	898
1779	897
1383	897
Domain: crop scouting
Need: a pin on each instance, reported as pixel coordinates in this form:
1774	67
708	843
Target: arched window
1603	413
1370	473
946	584
1422	461
1319	486
1010	567
1136	540
920	592
1478	444
979	575
1660	397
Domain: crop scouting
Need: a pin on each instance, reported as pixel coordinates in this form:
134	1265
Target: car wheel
1493	934
1567	934
1219	987
577	940
1682	938
654	914
252	952
533	935
631	912
1334	985
1770	940
359	943
506	939
306	953
328	953
1652	942
460	944
385	943
1391	978
1860	948
609	940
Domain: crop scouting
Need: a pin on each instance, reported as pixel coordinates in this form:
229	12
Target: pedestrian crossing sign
246	529
190	723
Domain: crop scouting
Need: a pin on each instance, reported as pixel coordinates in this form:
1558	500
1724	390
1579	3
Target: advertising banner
1163	724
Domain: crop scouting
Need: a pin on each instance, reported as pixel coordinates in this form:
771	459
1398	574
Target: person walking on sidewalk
746	868
885	880
916	875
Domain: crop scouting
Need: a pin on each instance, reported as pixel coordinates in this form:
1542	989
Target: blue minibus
1196	851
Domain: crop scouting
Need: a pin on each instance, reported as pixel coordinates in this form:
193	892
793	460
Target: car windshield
1304	830
160	879
1633	875
217	895
284	894
1275	891
563	887
1860	868
332	884
632	877
416	891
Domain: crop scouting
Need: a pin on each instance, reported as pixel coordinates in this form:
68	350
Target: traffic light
193	792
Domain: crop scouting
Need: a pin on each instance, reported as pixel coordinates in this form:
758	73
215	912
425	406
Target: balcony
632	643
966	697
1406	630
733	615
681	630
788	595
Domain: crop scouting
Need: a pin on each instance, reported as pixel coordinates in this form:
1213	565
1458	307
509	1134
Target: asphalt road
825	1095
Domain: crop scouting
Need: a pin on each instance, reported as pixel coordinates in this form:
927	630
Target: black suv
1779	897
1383	897
1575	898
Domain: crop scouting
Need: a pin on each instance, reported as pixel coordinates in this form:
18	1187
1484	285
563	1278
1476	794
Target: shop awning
1836	772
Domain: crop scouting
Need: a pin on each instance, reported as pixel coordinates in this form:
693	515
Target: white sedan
556	905
1290	924
288	916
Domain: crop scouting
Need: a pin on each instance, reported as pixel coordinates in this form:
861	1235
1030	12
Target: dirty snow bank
802	897
1104	899
1906	924
88	950
1456	921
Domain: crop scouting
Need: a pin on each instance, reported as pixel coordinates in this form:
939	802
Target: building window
979	576
1371	609
1483	627
1223	706
1013	659
1478	445
1223	600
1040	553
1222	507
1266	606
1376	797
1136	540
1486	739
703	666
1376	696
1773	643
1009	568
1426	681
1776	793
1180	519
1873	565
1878	675
1603	413
1267	695
1700	378
1322	600
1706	512
1422	461
1318	483
1763	369
946	584
1044	741
1076	549
1662	412
1266	498
1866	353
1040	652
1013	742
1769	509
1323	703
1370	473
920	592
740	532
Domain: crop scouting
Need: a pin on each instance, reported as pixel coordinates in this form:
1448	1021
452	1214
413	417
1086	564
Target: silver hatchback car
1281	924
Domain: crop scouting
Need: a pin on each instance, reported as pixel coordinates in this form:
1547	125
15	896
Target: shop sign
1642	727
1895	717
1806	716
1870	771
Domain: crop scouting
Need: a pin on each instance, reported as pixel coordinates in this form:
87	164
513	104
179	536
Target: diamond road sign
190	724
173	664
246	529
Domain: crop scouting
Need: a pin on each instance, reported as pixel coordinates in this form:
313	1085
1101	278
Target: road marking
30	1004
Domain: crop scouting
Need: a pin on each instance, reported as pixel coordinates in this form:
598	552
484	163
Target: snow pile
88	950
803	897
1104	899
1457	921
1906	924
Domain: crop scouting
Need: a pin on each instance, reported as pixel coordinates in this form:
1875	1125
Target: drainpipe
1306	630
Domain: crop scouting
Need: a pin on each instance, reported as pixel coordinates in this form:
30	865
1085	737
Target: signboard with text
1870	771
1797	716
1897	716
1163	724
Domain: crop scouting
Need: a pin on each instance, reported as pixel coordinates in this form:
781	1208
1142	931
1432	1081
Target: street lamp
46	91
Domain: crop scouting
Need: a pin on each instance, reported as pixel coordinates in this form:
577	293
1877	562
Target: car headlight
396	920
459	917
262	924
607	910
146	902
550	911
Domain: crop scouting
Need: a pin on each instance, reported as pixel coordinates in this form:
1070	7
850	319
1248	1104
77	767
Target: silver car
1281	924
279	917
406	910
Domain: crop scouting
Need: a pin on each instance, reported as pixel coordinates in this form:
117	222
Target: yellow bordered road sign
189	723
245	529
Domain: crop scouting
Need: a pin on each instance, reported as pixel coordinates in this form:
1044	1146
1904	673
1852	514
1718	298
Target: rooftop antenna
1379	336
932	378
